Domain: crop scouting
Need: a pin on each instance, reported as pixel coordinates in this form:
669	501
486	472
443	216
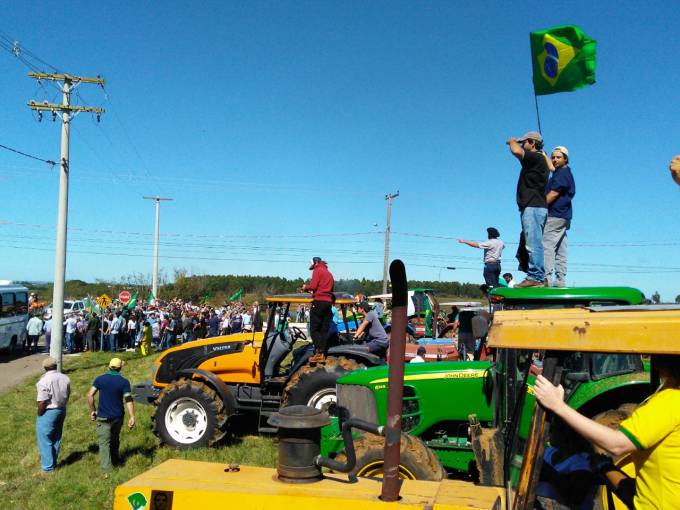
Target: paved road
17	367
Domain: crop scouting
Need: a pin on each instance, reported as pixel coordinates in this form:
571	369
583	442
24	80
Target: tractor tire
417	461
314	386
613	417
189	414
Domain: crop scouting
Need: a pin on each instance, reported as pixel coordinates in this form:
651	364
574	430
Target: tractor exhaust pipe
395	388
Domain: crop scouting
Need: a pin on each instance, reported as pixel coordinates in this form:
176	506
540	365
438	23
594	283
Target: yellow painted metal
237	367
192	484
629	330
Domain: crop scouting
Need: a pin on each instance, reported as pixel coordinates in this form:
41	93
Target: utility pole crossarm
66	110
45	106
66	77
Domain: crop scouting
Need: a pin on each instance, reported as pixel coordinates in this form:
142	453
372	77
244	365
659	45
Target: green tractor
439	398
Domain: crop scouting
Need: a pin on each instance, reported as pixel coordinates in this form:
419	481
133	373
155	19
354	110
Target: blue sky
278	128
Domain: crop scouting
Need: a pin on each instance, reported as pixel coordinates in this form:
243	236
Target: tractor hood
419	371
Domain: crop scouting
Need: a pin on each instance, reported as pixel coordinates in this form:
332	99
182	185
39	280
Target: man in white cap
533	208
114	389
559	194
54	390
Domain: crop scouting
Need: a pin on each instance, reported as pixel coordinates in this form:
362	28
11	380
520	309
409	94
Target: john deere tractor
197	387
438	398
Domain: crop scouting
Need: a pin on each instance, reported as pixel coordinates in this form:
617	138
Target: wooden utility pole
389	197
154	284
66	110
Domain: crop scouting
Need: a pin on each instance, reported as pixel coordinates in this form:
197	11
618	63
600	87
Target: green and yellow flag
563	59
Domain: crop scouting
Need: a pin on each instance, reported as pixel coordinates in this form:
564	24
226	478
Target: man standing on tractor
493	248
531	201
321	286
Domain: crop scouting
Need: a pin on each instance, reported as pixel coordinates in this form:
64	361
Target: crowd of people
147	326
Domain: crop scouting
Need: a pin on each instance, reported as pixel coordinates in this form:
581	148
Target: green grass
78	481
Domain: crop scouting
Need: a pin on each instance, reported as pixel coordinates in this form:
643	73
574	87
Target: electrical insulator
39	116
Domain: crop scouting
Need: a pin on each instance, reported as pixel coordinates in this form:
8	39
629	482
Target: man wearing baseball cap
560	192
321	285
113	390
533	208
54	390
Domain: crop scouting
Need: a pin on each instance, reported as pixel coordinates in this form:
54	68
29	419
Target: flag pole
538	115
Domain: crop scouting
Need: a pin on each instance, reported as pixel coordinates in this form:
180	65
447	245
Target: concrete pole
154	284
62	224
389	197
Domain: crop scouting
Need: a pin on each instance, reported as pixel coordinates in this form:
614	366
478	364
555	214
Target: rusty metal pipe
395	388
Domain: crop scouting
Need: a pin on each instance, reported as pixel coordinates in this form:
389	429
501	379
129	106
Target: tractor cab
557	334
281	339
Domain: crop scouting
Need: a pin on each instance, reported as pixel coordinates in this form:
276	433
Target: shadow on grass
74	457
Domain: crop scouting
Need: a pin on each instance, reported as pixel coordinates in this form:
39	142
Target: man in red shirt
321	286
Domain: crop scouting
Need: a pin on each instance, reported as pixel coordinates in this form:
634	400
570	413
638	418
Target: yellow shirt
654	428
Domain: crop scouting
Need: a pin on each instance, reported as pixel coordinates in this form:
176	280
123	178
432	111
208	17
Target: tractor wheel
189	414
417	461
315	386
613	417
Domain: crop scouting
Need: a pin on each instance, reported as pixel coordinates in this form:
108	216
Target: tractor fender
218	384
593	397
364	357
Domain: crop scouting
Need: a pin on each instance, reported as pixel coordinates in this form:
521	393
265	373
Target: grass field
78	481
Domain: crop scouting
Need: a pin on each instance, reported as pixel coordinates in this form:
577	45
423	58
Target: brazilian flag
563	59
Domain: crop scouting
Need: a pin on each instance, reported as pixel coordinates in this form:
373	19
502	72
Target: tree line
216	288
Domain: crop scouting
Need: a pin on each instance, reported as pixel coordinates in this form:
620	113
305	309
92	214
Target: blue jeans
69	342
533	222
113	342
48	429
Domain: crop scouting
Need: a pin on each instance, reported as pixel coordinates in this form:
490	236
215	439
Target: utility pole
389	197
67	112
154	285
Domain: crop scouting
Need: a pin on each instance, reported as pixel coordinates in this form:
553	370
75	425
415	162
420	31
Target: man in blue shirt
113	390
559	193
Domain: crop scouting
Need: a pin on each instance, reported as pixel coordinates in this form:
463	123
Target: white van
13	315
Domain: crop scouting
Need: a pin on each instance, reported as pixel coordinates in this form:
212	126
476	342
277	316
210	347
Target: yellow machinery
179	484
198	386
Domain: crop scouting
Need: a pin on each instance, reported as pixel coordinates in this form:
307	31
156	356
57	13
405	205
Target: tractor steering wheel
297	334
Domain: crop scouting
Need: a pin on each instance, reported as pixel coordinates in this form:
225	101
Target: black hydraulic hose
347	426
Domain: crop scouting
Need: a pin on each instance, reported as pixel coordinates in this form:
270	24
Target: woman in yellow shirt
651	434
145	344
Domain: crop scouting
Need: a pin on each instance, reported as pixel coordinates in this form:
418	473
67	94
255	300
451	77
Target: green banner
563	59
132	303
236	295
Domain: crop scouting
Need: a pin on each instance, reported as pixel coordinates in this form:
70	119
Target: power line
48	161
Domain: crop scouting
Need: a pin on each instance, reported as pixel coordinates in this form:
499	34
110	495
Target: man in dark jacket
321	286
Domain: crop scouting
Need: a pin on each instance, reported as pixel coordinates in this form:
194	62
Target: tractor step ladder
268	406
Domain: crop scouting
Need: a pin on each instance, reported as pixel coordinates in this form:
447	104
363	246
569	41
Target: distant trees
219	287
656	298
677	299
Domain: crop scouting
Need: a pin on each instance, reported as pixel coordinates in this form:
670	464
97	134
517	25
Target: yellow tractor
197	387
509	468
